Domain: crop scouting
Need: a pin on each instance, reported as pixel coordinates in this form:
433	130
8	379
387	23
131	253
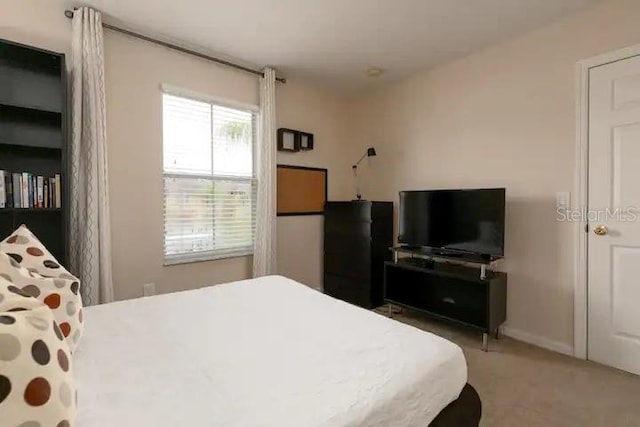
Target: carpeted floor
522	385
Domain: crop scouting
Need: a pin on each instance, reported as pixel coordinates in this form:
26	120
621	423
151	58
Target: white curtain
90	236
264	253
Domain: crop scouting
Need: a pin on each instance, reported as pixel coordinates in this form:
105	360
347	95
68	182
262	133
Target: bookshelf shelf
29	210
35	144
26	126
32	109
33	139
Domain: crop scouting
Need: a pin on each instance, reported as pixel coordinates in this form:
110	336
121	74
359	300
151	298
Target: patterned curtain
90	236
264	253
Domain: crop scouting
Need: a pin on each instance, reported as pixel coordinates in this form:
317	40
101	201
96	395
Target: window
209	180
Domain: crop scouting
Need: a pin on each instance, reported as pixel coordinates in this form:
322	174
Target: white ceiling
335	41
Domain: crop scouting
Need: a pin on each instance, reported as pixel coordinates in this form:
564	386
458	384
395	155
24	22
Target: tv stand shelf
426	252
448	291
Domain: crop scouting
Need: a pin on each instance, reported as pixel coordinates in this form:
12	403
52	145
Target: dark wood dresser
357	237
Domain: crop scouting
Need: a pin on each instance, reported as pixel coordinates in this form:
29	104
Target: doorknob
600	230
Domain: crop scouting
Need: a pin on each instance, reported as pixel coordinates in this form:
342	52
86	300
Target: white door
614	225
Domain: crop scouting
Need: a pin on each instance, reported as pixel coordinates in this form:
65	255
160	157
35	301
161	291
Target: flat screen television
465	221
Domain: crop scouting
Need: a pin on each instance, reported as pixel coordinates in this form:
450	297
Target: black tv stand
423	251
409	248
443	288
449	254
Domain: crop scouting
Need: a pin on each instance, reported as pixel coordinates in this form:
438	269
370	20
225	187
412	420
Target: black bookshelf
33	136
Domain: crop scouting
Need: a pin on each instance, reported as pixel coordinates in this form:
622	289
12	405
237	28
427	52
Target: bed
264	352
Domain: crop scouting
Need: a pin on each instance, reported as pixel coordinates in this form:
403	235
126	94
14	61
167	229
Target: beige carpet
523	385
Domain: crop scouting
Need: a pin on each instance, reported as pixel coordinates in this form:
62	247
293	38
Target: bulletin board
301	190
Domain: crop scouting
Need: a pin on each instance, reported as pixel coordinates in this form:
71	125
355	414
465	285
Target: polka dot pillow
36	382
24	247
61	295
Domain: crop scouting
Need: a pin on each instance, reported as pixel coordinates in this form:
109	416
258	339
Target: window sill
205	257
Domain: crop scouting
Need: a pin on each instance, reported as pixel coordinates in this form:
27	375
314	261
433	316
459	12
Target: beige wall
504	116
134	72
35	22
321	112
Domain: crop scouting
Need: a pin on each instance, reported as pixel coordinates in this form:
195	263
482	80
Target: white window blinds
209	180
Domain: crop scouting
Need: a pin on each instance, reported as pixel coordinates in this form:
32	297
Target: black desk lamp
370	153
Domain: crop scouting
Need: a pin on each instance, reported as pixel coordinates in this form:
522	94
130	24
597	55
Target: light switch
563	200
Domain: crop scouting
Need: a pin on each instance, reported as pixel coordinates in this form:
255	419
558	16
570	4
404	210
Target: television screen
458	220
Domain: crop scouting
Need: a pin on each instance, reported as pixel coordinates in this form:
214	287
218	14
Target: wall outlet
149	289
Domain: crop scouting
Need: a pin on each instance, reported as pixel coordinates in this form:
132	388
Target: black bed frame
465	411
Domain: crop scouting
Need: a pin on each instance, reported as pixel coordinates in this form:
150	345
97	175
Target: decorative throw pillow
36	380
61	295
24	247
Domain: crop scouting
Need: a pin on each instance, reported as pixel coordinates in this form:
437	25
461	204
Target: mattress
262	352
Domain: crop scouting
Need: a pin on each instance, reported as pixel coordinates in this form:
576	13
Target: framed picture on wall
288	140
301	190
306	141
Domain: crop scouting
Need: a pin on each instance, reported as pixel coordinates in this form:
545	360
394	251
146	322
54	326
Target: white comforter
262	352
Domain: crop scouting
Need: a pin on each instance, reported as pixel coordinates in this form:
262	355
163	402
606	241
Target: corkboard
301	190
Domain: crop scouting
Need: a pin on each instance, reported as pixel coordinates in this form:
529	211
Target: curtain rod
69	14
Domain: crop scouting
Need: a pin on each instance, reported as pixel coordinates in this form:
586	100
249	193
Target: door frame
580	304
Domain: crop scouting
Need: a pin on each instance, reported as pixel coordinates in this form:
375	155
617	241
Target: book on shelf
32	191
57	196
3	191
45	192
27	190
8	188
17	190
40	191
24	199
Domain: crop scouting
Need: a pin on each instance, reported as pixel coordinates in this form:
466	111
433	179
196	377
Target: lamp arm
358	162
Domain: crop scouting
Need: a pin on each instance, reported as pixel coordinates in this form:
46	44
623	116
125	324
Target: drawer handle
448	300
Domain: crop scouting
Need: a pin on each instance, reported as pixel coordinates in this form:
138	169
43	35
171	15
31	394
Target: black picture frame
302	141
306	141
296	140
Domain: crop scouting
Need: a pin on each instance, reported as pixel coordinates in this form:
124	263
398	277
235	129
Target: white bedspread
264	352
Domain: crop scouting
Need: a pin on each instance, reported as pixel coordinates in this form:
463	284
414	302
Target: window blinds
209	180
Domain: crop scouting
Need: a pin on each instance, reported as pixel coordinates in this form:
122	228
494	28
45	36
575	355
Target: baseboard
557	346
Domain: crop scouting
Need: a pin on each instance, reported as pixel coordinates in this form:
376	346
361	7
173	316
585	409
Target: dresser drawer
348	211
347	244
349	290
343	262
339	229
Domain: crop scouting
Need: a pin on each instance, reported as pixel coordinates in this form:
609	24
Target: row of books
26	190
